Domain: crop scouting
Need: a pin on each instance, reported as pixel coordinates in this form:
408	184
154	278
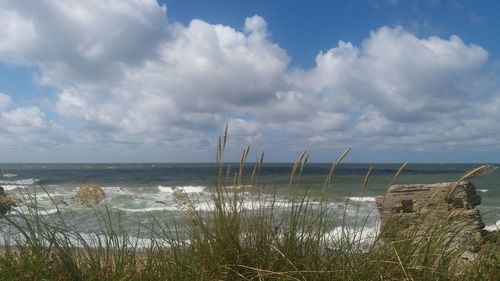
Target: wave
49	211
23	210
9	186
493	227
483	190
362	199
116	190
53	195
9	175
29	181
249	204
359	237
186	189
20	183
238	187
149	209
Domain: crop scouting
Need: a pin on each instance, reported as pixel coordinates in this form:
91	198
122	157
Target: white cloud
199	75
81	41
242	127
397	86
26	127
398	74
5	100
124	73
18	36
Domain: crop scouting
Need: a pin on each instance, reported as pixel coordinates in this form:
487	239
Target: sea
139	194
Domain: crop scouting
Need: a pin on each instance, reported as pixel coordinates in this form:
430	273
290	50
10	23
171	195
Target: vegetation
291	240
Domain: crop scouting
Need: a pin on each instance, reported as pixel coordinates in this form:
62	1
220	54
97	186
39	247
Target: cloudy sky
148	81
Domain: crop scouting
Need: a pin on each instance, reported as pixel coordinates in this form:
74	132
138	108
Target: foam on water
192	189
238	187
10	175
149	209
113	189
362	199
116	190
52	196
483	190
49	211
166	189
29	181
363	236
186	189
11	185
493	227
23	210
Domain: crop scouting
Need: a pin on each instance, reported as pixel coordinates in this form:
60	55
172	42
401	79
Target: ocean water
139	194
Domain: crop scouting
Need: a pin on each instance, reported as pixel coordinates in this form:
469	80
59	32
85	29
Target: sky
156	81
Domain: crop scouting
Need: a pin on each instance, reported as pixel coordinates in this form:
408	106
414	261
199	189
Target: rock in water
89	195
428	211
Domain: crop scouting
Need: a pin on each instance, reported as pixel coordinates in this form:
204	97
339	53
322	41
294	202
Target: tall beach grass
299	238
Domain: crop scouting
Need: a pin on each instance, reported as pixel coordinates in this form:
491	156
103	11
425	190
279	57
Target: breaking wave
187	189
362	199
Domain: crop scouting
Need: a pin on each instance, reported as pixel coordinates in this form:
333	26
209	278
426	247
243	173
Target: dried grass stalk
89	195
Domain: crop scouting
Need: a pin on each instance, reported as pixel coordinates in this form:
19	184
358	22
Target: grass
288	239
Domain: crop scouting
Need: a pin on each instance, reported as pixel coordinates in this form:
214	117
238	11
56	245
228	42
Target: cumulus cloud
396	73
80	41
398	86
197	77
18	35
26	127
23	125
124	73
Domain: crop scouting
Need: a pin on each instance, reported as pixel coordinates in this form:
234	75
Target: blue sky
292	22
148	81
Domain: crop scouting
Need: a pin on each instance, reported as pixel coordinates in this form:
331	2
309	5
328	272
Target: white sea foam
53	196
361	235
166	189
9	186
483	190
253	205
492	227
362	199
9	175
192	189
49	211
113	189
149	209
204	206
359	238
23	210
187	189
238	187
116	190
20	182
26	181
248	204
